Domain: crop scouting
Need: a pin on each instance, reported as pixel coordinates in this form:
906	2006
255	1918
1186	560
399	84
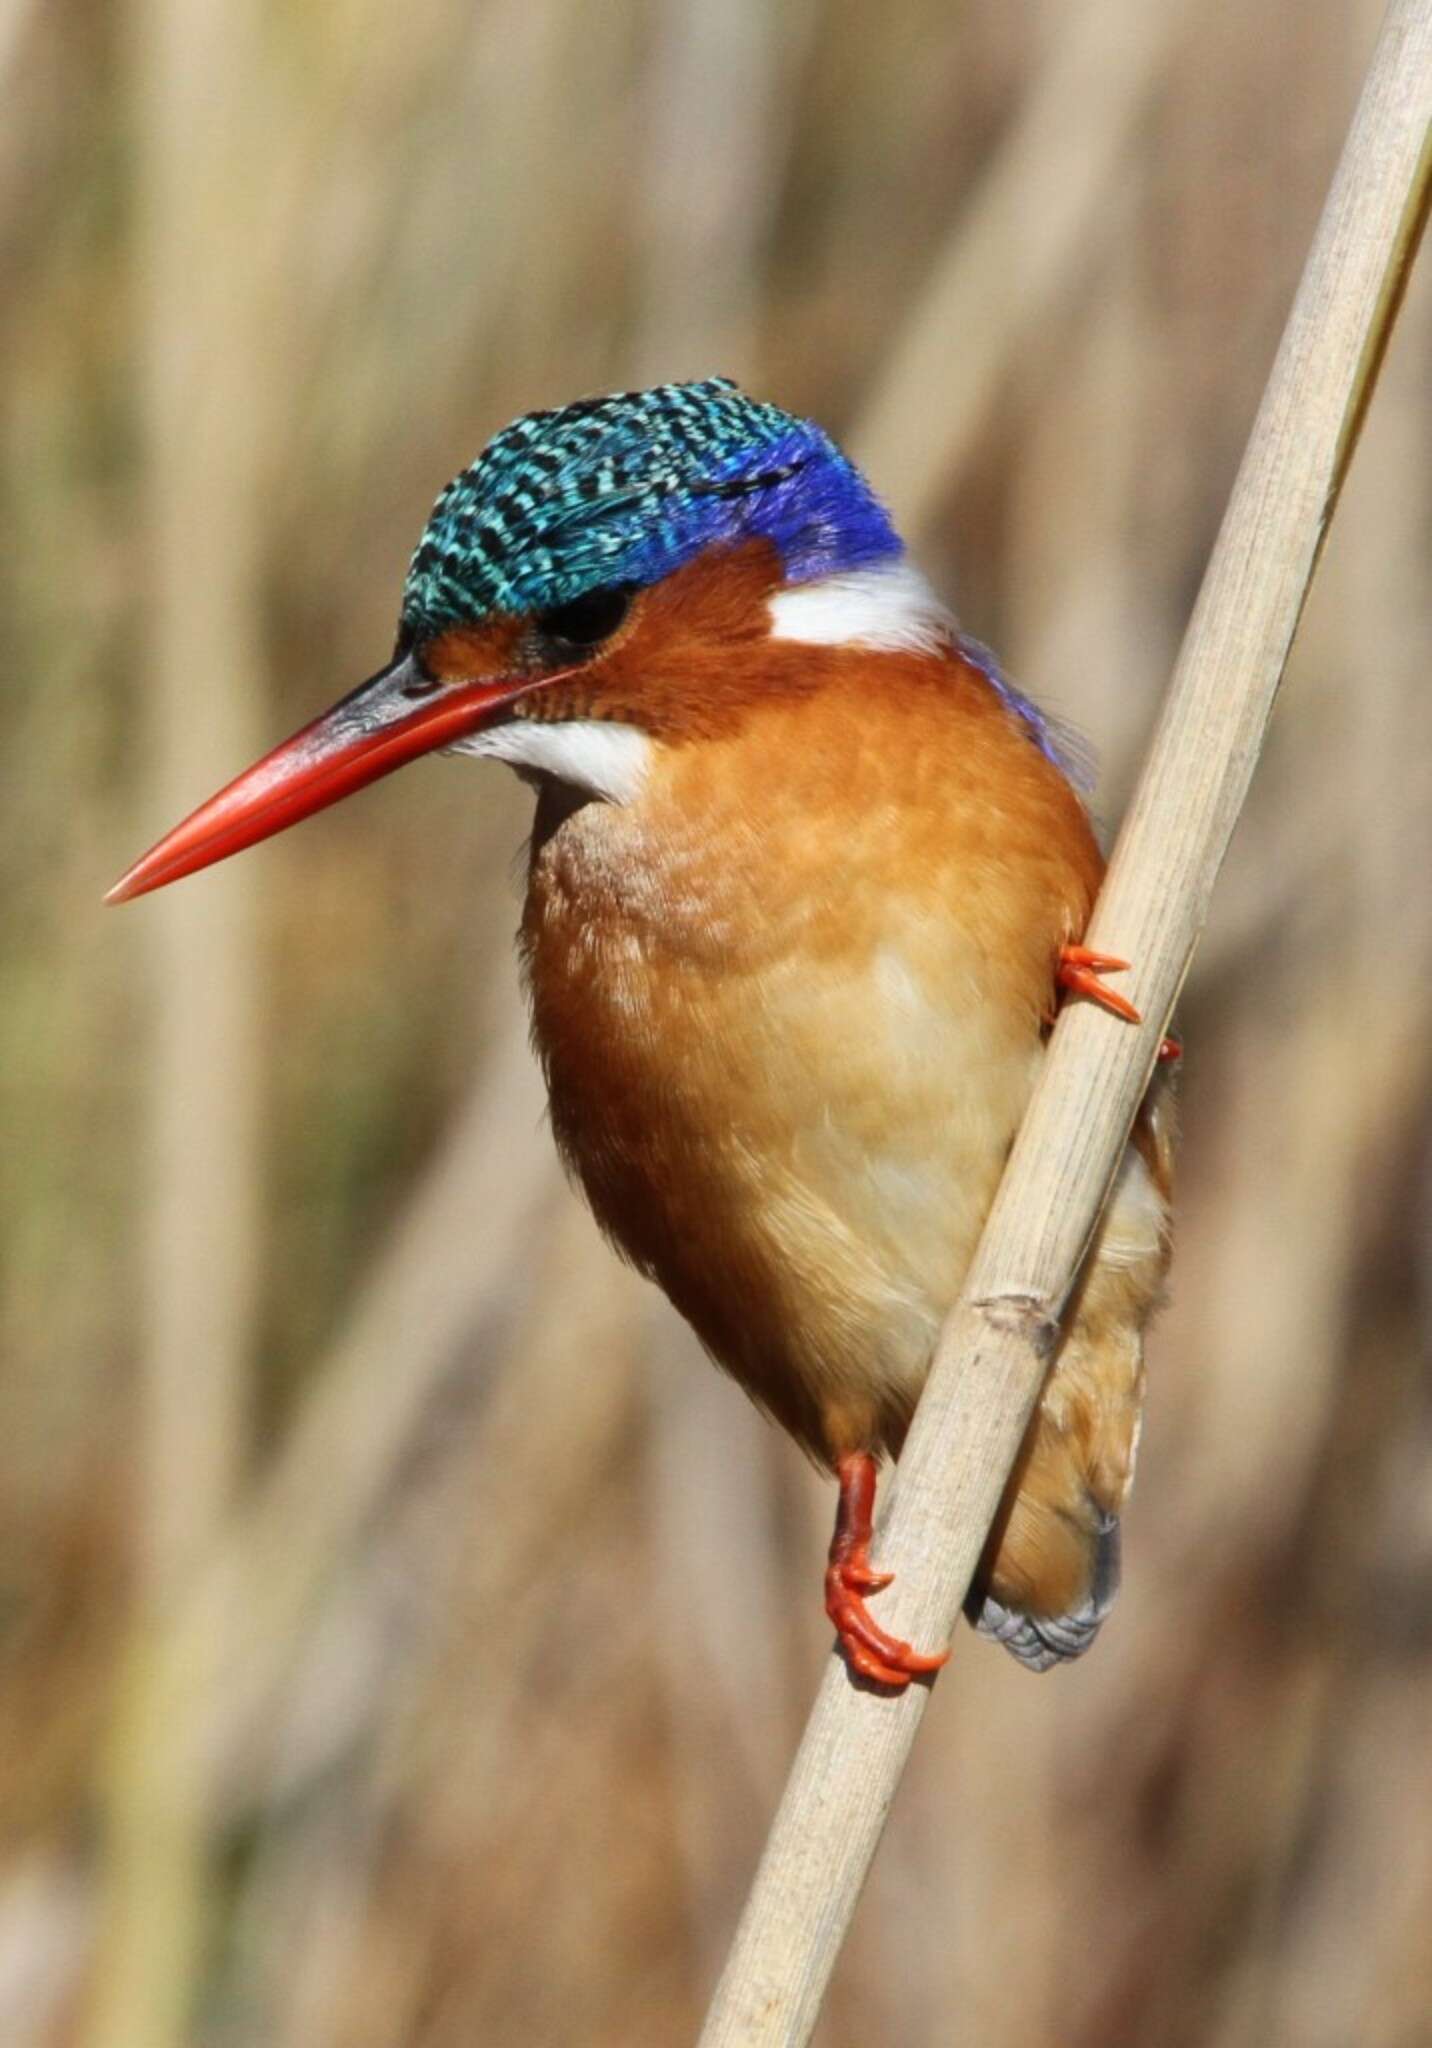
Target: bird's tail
1040	1641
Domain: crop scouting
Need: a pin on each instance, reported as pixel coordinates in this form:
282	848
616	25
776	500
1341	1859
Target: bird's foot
869	1649
1079	971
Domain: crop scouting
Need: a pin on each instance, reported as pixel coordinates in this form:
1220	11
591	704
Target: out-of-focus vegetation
402	1634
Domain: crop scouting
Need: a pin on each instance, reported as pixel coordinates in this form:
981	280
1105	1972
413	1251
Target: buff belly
799	1139
799	1145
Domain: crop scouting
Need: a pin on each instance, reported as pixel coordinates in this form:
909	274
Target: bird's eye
587	620
421	680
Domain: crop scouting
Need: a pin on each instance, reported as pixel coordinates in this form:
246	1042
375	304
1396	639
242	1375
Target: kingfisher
807	879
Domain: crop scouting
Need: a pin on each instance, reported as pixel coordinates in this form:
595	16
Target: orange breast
790	1003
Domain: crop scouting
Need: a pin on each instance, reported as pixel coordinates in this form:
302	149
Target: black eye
421	680
587	620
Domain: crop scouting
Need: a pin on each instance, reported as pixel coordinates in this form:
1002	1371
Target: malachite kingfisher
807	876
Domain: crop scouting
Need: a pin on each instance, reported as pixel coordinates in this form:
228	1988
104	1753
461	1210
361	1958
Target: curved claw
871	1651
1079	970
865	1664
857	1577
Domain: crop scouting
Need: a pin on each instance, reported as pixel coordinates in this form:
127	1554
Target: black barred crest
628	487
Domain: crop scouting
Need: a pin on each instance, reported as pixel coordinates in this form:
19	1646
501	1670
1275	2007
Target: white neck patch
890	606
596	755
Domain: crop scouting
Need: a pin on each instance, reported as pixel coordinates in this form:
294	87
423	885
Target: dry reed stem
1029	227
464	1229
202	386
440	1706
14	22
996	1344
202	1679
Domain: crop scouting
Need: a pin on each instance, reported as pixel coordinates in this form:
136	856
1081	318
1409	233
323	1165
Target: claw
870	1650
859	1578
864	1665
1079	970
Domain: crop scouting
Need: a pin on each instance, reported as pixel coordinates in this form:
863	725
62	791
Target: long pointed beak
392	718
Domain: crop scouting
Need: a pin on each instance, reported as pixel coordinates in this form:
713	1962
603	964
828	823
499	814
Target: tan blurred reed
471	1775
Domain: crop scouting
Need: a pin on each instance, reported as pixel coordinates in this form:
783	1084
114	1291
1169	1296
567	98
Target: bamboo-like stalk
997	1341
193	74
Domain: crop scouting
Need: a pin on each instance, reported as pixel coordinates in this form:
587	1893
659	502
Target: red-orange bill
388	720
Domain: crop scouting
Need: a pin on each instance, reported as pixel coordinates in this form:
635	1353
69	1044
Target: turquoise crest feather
627	488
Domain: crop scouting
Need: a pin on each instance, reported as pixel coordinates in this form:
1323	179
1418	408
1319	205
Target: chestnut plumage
806	879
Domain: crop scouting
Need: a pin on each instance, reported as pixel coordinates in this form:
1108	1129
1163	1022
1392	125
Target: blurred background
403	1634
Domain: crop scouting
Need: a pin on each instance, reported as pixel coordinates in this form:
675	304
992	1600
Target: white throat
890	606
595	755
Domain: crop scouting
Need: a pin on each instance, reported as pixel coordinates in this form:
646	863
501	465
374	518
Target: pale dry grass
495	1731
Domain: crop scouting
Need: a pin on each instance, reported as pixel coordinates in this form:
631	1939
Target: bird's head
605	577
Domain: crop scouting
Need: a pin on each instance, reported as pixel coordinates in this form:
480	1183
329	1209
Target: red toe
871	1651
1078	972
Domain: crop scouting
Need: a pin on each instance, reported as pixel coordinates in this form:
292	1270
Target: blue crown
626	489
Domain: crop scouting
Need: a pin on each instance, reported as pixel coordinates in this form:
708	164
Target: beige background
402	1633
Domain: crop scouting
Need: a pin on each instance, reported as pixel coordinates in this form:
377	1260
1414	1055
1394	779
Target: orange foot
1079	972
869	1649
